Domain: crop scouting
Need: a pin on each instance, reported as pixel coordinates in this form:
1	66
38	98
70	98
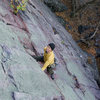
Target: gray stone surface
55	5
21	77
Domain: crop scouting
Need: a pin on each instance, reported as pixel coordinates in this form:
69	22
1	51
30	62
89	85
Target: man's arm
45	49
45	65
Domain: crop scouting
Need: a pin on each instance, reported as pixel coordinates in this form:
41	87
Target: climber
18	5
48	59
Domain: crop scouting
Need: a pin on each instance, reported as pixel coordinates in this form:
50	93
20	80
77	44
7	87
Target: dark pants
41	59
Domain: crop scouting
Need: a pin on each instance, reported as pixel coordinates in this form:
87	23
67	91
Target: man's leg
51	72
38	58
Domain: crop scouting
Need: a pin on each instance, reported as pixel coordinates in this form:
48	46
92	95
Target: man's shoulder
52	53
45	48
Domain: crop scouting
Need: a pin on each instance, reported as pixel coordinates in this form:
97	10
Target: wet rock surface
21	77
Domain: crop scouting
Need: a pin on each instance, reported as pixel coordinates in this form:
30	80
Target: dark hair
52	45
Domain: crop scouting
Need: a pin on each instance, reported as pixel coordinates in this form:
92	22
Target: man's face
48	49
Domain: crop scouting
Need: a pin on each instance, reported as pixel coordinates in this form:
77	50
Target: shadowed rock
55	5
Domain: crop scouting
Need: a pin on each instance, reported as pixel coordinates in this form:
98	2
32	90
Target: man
48	59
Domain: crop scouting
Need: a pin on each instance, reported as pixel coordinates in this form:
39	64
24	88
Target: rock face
55	5
21	77
62	21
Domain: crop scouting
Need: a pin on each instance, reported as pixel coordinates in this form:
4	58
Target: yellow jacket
48	59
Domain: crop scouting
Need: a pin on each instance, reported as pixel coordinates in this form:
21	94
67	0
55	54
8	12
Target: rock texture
21	77
55	5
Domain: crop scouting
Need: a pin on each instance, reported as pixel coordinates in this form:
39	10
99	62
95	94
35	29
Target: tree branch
95	31
75	11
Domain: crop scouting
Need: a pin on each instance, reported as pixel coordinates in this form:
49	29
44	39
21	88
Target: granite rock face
55	5
21	77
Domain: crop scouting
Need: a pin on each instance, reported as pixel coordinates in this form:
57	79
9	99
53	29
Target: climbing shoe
52	76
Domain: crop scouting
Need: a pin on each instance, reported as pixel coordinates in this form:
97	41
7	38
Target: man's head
50	47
